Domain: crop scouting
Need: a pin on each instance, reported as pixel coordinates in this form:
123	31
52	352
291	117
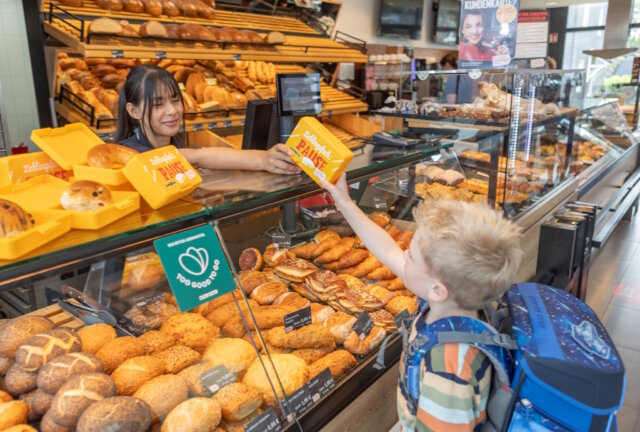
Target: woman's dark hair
144	84
449	59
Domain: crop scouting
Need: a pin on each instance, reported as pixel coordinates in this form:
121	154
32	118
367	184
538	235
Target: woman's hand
339	192
503	50
277	160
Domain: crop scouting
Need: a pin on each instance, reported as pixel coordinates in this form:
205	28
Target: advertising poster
487	33
533	36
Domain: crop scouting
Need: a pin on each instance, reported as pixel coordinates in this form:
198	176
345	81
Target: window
587	15
576	42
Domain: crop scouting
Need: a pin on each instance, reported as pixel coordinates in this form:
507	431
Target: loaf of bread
72	62
128	413
170	8
113	5
106	26
95	336
204	11
177	358
155	341
19	381
19	330
153	7
275	37
76	396
196	414
111	80
191	375
41	348
235	354
237	401
191	330
5	364
117	351
102	69
292	372
12	413
47	424
162	394
57	372
154	29
38	402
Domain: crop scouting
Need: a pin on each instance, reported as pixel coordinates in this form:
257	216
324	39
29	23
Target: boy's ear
439	292
133	111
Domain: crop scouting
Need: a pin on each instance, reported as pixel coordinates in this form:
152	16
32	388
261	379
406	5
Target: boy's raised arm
379	243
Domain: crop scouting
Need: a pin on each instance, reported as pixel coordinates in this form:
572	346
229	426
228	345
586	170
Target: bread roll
120	63
19	330
204	11
191	375
5	364
76	396
86	195
169	8
193	415
112	80
310	336
128	413
101	70
41	348
19	381
72	3
6	397
237	401
235	354
292	372
22	427
339	363
163	394
38	402
57	372
105	26
155	341
133	373
358	346
47	424
191	330
253	36
12	413
72	62
153	28
153	7
95	336
177	358
117	351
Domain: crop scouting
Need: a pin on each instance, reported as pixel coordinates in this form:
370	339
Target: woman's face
166	115
472	29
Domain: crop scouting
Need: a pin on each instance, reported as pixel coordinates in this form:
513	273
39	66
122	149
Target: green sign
195	266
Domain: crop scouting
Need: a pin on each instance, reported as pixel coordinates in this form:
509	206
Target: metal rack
5	144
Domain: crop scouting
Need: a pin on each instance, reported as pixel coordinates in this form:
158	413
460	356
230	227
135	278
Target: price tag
401	317
283	240
117	54
297	319
363	325
211	81
213	125
237	57
242	122
422	75
227	124
198	127
321	384
266	422
161	54
217	378
301	400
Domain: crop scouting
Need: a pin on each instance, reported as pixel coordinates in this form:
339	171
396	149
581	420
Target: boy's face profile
417	277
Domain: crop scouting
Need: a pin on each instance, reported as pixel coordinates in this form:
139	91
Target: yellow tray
67	145
20	168
106	176
162	176
49	224
44	192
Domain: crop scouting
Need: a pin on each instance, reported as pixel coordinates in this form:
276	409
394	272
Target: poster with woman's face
487	33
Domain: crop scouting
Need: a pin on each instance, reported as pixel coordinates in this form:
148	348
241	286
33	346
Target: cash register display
299	94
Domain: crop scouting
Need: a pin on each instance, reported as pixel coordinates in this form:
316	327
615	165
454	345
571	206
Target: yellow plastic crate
20	168
49	224
67	145
105	176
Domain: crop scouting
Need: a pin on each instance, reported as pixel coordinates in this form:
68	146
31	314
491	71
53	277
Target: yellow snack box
162	175
20	168
317	151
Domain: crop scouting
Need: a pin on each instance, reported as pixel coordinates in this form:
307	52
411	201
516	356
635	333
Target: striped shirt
455	383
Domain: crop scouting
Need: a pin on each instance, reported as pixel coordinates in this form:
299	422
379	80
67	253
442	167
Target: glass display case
513	134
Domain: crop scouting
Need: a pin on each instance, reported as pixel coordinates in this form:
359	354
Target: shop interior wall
16	76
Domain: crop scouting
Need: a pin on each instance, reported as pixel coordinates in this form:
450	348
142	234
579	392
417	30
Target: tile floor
614	293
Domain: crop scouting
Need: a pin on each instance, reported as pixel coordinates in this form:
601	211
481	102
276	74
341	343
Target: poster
532	37
487	33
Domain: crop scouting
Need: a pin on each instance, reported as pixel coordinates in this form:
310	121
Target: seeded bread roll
133	373
155	341
115	352
19	381
129	413
96	336
163	394
12	413
19	330
197	414
57	372
38	402
191	375
41	348
190	329
238	401
5	364
76	396
177	358
47	424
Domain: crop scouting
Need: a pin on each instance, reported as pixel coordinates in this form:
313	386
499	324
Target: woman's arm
275	160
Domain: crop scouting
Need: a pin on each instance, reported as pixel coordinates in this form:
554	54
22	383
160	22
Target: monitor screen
401	18
298	94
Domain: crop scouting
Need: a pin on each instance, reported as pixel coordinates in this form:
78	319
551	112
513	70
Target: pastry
250	259
94	336
251	279
295	269
235	354
357	300
192	375
128	413
392	284
310	355
266	317
177	358
379	292
450	177
162	394
350	259
383	319
196	414
18	330
366	266
310	336
220	316
291	371
339	363
266	293
12	413
292	299
5	397
152	315
57	372
7	362
400	303
237	401
155	341
76	396
86	195
380	219
320	313
41	348
381	273
340	324
323	241
274	255
352	281
191	330
136	371
153	28
337	251
19	381
24	427
115	352
355	345
404	239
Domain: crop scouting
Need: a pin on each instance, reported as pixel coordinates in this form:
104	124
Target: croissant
404	239
336	252
366	266
392	284
315	249
392	230
381	273
380	219
350	259
306	250
348	270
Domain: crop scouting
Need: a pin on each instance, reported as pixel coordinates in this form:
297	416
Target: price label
213	125
227	124
242	122
363	325
237	57
401	317
297	319
217	378
212	81
321	384
301	399
117	54
266	422
198	127
161	54
283	240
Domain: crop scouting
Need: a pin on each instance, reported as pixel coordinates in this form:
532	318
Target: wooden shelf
223	18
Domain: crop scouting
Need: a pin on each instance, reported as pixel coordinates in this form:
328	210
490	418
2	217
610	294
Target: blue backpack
555	367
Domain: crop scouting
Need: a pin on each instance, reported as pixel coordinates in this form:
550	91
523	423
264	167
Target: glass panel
635	15
587	15
578	41
607	123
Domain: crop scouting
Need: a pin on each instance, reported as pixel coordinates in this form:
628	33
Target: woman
149	116
472	41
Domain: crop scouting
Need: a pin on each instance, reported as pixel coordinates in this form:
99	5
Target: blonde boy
462	256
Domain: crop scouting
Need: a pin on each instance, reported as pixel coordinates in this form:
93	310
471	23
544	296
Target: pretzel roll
113	156
41	348
86	195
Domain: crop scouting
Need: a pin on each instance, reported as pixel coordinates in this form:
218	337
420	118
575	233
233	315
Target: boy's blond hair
470	248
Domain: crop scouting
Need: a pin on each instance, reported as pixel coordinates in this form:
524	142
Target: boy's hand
278	160
339	192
